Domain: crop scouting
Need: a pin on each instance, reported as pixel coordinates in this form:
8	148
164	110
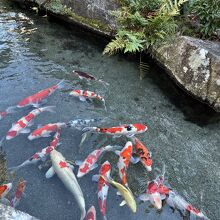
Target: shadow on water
194	110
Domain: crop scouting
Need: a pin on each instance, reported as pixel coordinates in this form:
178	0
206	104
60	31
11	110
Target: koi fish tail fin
48	109
61	84
14	169
104	217
11	109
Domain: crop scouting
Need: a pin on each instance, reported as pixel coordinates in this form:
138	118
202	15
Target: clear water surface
184	134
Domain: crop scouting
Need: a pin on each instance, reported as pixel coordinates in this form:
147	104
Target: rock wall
92	14
195	65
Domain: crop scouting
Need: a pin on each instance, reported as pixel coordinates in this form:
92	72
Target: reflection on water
183	133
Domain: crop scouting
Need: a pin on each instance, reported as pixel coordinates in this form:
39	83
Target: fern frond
114	46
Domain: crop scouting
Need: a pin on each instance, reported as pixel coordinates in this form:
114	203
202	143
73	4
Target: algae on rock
3	168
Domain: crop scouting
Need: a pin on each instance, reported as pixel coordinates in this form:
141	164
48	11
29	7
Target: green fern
143	23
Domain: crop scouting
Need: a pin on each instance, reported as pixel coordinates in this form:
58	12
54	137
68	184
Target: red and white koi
38	97
90	162
143	153
103	186
156	191
8	111
128	130
26	121
91	214
88	77
42	154
18	193
46	130
123	162
176	201
85	94
4	190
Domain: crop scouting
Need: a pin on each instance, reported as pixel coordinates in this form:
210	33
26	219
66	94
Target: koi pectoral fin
50	173
130	135
5	201
144	197
25	131
30	124
46	135
81	98
123	203
95	178
118	193
78	162
36	105
134	160
94	166
117	152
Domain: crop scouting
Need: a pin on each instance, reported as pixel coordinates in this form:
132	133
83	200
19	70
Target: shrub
208	14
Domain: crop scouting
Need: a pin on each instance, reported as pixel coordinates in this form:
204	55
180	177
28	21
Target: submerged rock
7	212
3	168
195	65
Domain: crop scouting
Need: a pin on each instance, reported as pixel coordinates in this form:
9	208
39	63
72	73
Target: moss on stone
3	168
56	6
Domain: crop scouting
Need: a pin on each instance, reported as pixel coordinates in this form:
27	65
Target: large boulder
92	14
195	65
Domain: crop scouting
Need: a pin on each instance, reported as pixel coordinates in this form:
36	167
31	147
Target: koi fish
128	130
79	123
40	155
18	193
91	214
123	162
66	175
88	77
175	201
4	190
85	94
103	186
143	154
90	162
40	96
26	121
46	130
156	191
9	110
124	192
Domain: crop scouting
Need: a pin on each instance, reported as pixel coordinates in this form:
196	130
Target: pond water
184	134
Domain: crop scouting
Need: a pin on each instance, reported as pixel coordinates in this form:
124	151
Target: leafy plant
208	13
143	23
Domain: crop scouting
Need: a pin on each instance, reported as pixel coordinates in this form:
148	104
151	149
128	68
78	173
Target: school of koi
134	151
